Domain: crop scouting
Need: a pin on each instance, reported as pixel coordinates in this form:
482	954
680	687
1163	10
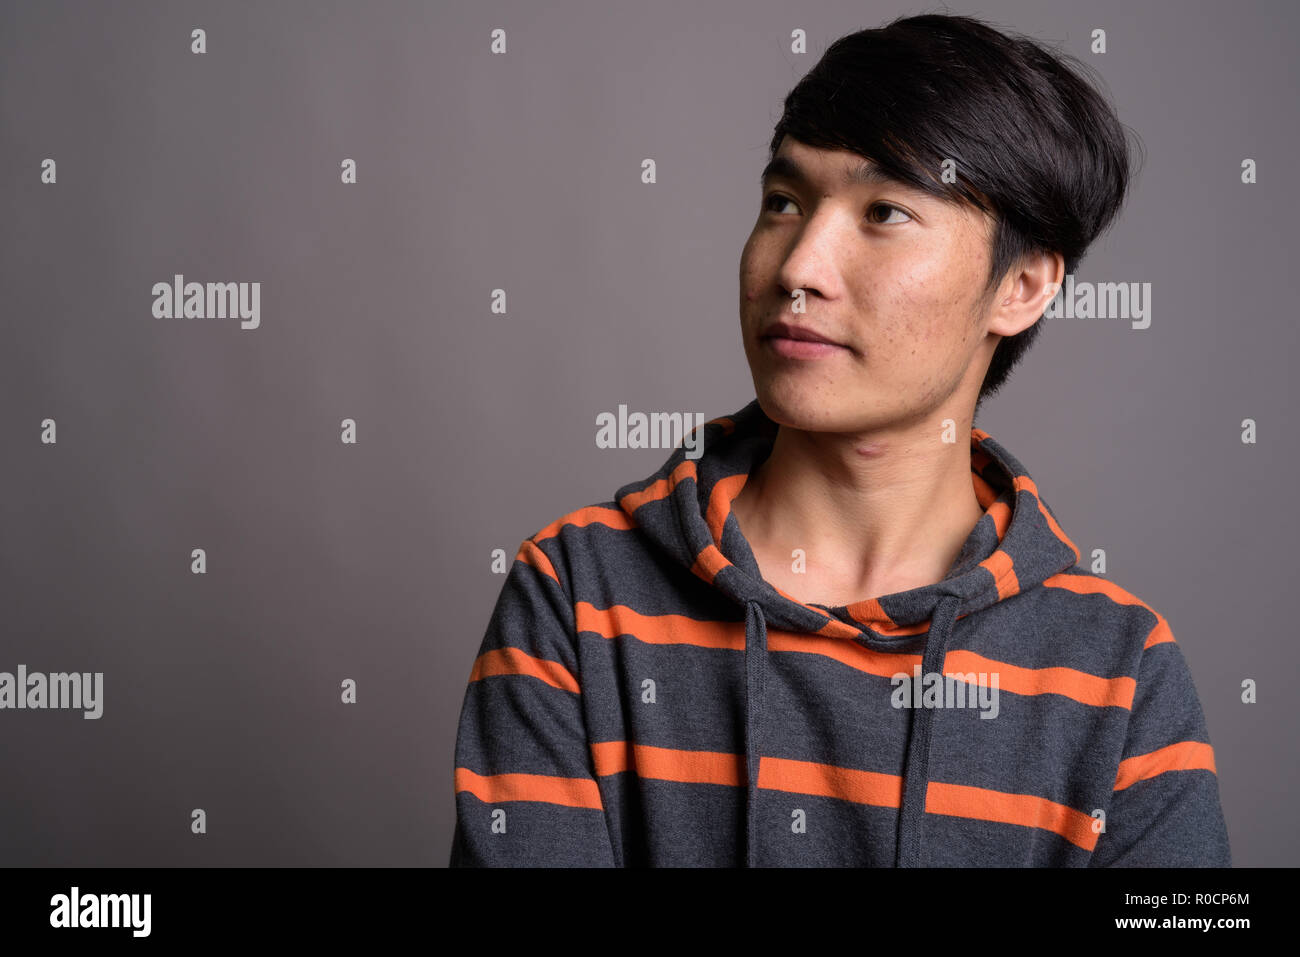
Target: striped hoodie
643	697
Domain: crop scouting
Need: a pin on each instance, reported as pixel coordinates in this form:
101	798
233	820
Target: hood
685	510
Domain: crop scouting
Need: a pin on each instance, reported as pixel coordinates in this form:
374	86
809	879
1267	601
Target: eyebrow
865	174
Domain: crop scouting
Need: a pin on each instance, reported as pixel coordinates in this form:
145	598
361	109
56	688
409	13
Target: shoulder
1108	605
564	549
1099	624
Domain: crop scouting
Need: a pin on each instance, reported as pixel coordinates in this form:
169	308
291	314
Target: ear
1025	292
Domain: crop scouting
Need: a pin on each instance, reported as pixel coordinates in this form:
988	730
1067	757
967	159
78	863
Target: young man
852	632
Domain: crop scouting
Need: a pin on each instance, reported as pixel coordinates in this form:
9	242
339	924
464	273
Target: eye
777	199
890	209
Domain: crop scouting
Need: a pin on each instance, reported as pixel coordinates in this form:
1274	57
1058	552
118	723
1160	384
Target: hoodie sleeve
1165	809
524	786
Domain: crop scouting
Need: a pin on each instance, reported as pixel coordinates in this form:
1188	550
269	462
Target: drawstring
911	815
755	668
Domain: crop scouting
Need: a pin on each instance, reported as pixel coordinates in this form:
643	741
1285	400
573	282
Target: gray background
522	171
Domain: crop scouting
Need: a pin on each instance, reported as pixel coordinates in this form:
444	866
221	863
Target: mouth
799	342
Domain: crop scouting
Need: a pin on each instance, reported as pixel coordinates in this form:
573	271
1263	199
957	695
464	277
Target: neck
875	513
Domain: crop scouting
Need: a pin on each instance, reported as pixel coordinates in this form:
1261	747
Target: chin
799	409
817	410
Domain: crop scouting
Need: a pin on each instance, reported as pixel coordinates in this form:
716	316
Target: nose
811	262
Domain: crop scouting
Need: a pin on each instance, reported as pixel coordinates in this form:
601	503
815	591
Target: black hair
1035	145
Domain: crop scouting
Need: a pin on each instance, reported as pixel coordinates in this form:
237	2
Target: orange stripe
544	788
659	489
1003	570
1182	756
845	784
1160	633
709	562
512	661
827	780
1068	682
870	612
720	499
591	515
1027	810
668	764
1000	512
530	554
659	629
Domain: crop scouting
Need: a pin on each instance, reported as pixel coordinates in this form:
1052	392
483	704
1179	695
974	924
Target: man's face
893	276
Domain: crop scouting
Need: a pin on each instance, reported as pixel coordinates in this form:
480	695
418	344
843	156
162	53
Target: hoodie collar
685	508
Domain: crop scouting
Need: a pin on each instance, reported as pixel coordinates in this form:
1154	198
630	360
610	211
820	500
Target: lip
799	342
784	330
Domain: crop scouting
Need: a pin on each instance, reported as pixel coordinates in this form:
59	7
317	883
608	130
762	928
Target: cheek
749	257
930	299
758	267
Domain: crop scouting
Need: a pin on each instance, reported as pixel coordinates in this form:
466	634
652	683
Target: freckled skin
905	296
